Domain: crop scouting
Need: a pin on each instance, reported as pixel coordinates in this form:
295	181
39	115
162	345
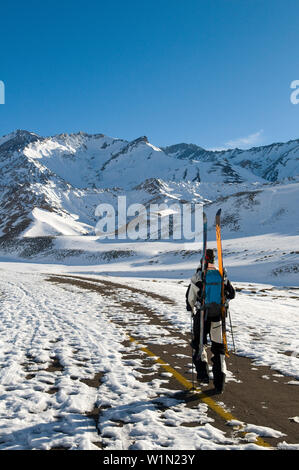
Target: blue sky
216	73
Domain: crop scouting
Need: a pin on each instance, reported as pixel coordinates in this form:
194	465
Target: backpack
213	298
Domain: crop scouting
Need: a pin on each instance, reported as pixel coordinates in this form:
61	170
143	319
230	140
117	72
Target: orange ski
220	263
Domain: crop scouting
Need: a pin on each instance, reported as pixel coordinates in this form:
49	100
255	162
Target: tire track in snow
37	328
97	285
82	329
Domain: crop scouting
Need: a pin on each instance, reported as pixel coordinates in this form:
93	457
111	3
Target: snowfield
94	334
55	339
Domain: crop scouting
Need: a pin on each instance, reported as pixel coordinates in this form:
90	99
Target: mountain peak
24	133
139	140
18	139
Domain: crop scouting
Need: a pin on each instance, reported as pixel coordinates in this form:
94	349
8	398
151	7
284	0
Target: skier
205	294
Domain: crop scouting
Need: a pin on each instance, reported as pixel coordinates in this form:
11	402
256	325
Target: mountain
69	174
51	186
274	162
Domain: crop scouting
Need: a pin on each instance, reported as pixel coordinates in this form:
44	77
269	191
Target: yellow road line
201	395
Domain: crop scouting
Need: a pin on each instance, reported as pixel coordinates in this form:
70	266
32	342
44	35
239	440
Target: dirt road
249	399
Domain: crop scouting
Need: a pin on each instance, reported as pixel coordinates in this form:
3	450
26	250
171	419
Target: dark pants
214	331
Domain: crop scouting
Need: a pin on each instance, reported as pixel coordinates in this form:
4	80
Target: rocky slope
51	186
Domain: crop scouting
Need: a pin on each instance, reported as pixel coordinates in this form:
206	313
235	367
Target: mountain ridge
51	186
271	162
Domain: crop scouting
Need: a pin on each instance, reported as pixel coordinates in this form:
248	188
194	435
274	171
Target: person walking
206	294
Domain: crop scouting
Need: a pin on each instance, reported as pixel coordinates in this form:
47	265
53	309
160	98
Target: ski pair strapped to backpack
204	266
220	264
207	287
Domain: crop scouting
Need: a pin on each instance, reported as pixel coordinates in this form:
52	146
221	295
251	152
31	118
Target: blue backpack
213	287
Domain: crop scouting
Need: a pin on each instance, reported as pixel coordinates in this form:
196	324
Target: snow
266	259
54	340
41	321
46	223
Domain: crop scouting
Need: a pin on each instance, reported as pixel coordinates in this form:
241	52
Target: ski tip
218	212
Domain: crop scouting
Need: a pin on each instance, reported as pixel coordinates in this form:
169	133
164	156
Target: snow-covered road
56	338
41	322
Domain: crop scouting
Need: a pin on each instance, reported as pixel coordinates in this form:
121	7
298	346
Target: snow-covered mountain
51	186
72	373
275	162
68	175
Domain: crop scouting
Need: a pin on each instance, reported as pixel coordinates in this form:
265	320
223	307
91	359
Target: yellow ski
220	263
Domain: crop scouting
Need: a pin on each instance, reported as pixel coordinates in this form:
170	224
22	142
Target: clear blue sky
210	72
